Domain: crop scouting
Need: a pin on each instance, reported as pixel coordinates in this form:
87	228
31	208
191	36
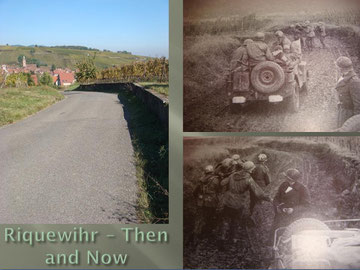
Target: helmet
292	26
307	22
279	34
227	162
209	169
293	174
260	36
247	41
235	157
344	62
262	157
248	166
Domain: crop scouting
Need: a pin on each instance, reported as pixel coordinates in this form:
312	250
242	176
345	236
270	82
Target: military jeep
268	81
308	243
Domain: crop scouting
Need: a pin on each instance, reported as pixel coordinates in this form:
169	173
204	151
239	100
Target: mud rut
328	203
318	110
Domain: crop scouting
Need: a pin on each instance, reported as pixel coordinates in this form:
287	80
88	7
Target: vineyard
156	69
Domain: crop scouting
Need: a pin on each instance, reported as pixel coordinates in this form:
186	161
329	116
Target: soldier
206	194
261	175
290	201
238	163
296	32
225	168
301	31
258	51
282	40
233	201
310	35
240	57
322	34
348	89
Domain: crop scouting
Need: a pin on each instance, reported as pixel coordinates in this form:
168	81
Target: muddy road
318	109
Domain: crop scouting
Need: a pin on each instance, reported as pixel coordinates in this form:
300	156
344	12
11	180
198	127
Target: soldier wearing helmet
206	194
291	199
234	199
282	40
310	35
348	90
240	57
225	168
321	33
261	176
258	51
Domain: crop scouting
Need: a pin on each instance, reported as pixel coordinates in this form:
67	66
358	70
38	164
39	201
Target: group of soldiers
222	197
287	52
307	32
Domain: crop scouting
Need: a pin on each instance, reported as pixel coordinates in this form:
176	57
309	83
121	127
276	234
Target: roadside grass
161	88
18	103
150	142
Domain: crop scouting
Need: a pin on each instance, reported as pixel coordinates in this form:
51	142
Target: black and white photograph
271	66
271	202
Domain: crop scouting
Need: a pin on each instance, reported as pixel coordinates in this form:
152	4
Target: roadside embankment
155	102
18	103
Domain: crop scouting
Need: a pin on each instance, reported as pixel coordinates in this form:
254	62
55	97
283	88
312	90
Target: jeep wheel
295	228
267	77
294	100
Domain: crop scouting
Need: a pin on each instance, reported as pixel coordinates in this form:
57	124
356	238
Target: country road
71	163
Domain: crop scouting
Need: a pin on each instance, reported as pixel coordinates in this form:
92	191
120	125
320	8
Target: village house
61	77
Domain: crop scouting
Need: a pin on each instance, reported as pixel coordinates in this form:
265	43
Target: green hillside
64	57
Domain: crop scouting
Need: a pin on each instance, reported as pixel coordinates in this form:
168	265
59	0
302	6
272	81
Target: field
64	57
208	48
330	167
17	103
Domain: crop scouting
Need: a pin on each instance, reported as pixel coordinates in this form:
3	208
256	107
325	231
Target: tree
86	70
46	79
53	67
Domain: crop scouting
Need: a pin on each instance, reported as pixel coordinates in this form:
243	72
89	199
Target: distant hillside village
61	77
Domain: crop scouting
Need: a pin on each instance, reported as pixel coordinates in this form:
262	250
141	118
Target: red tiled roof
66	77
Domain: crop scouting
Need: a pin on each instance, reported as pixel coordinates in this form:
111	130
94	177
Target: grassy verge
162	88
150	142
17	103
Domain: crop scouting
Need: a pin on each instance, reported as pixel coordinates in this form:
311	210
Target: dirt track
322	165
317	112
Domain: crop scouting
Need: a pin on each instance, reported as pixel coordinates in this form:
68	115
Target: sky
137	26
194	9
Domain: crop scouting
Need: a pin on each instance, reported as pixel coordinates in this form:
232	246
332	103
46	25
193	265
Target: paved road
70	163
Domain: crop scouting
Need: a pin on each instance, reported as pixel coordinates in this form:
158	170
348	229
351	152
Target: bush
86	70
46	79
19	80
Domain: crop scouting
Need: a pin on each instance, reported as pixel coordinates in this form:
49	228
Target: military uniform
322	35
348	90
239	58
310	35
206	194
284	41
233	202
258	51
295	196
261	175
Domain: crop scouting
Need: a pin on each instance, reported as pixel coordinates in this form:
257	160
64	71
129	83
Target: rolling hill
65	57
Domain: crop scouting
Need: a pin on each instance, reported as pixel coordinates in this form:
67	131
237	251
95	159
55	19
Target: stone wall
155	102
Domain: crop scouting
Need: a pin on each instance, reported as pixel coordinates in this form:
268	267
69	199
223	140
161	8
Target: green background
148	255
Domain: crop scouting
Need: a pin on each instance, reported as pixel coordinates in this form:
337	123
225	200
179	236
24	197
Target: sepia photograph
271	203
271	66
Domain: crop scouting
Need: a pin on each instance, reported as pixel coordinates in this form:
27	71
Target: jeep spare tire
267	77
